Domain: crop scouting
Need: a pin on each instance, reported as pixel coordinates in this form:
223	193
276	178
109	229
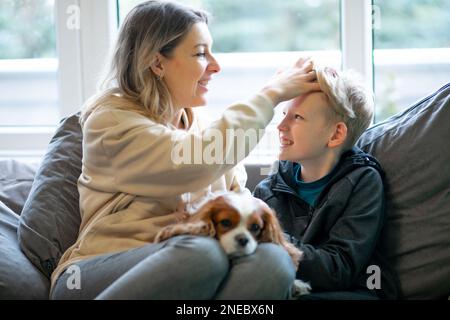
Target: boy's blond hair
351	100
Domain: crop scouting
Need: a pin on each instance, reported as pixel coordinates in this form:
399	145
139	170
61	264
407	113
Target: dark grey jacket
339	235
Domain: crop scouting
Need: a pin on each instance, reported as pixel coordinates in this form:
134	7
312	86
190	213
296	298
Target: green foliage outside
406	24
413	24
27	26
267	25
27	29
297	25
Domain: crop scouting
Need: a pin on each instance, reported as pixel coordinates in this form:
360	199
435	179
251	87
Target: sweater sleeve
335	264
136	156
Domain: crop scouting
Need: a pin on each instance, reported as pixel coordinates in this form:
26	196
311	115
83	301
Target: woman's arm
132	154
124	152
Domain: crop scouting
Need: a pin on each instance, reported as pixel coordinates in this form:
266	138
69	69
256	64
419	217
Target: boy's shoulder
263	189
281	177
356	165
357	161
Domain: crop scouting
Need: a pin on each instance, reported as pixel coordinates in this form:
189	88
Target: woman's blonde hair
351	100
149	28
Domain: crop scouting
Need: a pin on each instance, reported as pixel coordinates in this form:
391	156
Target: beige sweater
130	187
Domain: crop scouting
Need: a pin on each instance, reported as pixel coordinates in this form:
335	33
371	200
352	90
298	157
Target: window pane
28	64
412	51
254	38
267	25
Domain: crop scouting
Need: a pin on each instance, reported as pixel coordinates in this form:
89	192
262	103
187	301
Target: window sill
24	142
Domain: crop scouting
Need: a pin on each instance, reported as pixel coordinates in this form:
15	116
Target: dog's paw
300	288
200	228
164	234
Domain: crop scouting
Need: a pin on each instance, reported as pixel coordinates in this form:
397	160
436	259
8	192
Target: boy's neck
317	168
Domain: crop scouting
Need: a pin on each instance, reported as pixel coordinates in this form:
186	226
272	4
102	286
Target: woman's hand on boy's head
305	63
292	82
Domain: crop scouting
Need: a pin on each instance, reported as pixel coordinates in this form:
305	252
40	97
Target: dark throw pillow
50	218
413	148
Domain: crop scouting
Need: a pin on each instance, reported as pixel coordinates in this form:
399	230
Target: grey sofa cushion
16	179
19	278
413	148
50	218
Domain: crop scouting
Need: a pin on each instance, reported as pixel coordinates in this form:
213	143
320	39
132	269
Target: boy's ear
339	135
157	65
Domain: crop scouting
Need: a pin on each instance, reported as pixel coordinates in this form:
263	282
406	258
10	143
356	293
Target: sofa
39	212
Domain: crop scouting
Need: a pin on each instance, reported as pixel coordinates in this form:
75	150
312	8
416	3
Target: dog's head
240	221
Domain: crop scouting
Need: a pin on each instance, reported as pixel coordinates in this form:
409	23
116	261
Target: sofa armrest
16	178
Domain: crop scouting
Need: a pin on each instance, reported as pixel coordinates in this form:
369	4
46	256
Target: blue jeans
182	268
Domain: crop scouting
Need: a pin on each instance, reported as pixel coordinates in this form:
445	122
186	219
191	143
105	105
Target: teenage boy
328	194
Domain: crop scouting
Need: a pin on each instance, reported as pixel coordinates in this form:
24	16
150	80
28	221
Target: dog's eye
225	223
254	227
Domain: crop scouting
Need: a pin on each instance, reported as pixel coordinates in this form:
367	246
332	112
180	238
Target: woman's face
188	70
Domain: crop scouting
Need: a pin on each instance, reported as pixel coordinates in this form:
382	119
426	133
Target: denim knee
205	257
268	274
185	268
276	269
205	248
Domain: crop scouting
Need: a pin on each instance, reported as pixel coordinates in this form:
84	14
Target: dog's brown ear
206	213
271	231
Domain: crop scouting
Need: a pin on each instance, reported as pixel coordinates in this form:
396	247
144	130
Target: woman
131	186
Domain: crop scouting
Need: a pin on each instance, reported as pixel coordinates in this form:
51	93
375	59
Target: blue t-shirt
309	191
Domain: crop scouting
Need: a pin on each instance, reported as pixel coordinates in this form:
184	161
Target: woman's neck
177	120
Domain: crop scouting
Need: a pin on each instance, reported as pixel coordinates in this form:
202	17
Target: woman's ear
339	135
157	65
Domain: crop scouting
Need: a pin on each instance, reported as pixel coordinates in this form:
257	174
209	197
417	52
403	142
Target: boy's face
306	128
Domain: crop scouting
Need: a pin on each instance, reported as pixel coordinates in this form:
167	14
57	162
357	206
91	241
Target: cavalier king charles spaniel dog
239	221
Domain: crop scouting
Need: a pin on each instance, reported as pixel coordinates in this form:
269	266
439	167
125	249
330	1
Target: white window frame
356	37
83	52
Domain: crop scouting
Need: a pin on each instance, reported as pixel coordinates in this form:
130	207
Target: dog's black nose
241	239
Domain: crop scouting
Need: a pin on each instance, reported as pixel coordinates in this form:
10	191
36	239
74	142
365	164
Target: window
45	74
28	63
412	52
253	38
